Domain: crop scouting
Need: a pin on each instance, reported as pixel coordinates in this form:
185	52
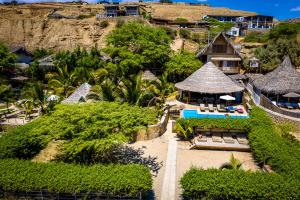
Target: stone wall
156	130
278	119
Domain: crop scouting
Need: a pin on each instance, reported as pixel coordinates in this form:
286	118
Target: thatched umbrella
79	94
209	79
284	79
149	76
291	95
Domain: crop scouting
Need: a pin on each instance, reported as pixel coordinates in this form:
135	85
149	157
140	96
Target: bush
256	37
113	180
185	33
171	32
84	122
104	24
120	22
237	184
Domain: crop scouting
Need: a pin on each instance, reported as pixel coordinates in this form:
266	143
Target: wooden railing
265	102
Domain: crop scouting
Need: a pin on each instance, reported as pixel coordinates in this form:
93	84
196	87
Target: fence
265	102
45	195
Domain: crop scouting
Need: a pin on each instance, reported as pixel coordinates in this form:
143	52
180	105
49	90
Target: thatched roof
79	94
46	62
221	34
149	76
209	79
282	80
292	95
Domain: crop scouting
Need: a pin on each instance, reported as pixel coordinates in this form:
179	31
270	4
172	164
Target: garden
269	147
94	137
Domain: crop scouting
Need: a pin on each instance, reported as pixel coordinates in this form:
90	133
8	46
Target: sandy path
156	148
206	159
177	44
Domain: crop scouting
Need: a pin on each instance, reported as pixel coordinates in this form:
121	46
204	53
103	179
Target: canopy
226	58
292	95
227	98
209	79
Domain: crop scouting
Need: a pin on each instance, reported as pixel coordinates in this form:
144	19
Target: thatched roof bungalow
284	79
46	62
79	94
209	79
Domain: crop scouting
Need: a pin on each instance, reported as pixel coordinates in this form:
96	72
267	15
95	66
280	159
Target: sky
280	9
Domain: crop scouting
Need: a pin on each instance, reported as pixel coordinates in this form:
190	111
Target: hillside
29	25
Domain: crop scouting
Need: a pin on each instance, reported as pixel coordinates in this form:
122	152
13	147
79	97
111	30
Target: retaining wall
156	130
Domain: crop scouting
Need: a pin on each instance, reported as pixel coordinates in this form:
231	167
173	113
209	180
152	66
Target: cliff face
30	26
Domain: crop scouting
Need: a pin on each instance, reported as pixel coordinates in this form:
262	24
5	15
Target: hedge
268	147
20	175
207	123
237	184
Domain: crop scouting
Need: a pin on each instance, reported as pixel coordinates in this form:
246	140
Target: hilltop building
115	10
223	54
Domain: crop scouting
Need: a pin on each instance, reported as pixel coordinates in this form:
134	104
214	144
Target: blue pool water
187	114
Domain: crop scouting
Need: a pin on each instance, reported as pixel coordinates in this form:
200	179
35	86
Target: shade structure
78	94
227	98
284	79
209	79
292	95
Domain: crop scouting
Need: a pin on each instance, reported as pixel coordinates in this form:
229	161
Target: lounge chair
202	107
289	106
227	137
280	104
231	109
240	110
216	137
211	108
202	138
295	105
241	138
220	109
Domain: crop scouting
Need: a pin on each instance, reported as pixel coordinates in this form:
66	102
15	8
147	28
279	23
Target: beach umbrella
227	98
53	98
291	95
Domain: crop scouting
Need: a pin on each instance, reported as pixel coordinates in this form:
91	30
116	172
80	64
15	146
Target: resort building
207	84
279	90
132	10
223	54
111	10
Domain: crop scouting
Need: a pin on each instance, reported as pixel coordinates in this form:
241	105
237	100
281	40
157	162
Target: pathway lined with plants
169	181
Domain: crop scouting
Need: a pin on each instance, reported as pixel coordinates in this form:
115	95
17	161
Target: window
219	48
230	64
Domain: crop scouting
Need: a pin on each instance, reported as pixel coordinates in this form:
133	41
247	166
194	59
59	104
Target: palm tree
184	131
63	81
6	95
234	164
26	105
132	90
36	92
106	91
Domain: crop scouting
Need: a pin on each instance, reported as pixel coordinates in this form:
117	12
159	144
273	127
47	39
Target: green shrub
237	184
83	122
256	37
104	24
129	180
120	22
186	34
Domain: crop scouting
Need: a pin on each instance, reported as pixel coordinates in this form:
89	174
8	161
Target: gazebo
208	82
281	83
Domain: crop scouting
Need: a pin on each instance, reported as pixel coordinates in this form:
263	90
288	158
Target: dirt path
177	44
48	153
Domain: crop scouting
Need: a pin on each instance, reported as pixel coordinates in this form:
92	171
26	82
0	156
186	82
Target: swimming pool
187	114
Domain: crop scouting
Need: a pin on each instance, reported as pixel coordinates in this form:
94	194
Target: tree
153	44
7	59
6	94
182	65
62	82
234	164
184	131
36	92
